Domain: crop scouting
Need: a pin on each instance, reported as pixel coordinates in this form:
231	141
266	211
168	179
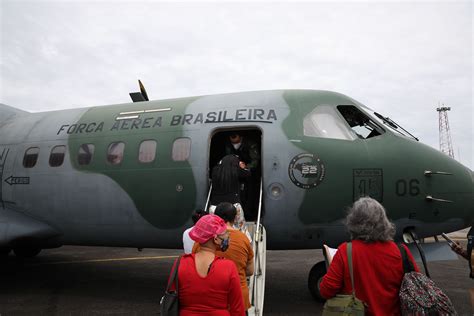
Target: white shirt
188	243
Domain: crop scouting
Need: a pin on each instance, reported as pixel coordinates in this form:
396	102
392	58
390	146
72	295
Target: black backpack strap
407	264
174	276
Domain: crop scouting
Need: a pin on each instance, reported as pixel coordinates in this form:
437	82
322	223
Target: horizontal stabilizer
137	97
436	251
7	112
16	227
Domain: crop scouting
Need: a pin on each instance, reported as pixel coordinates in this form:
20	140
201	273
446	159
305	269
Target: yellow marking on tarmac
107	260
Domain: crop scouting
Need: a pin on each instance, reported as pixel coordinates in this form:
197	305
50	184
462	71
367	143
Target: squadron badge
306	171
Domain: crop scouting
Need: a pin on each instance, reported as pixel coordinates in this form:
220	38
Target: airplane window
86	151
388	122
115	153
30	158
56	158
361	124
325	122
181	149
147	151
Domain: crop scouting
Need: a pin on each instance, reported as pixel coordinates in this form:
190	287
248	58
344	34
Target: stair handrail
257	263
208	198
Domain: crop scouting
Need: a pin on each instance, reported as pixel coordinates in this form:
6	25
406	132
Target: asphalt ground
122	281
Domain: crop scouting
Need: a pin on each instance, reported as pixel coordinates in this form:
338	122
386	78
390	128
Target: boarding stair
259	245
256	282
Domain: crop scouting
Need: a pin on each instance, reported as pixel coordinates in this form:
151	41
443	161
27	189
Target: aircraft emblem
306	171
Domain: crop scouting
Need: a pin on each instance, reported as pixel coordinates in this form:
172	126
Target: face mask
236	146
225	244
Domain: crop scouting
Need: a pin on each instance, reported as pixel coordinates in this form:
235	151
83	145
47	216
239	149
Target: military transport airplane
131	174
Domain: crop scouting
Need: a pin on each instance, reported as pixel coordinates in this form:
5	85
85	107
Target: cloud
400	58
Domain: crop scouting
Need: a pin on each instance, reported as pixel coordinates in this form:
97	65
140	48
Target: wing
16	227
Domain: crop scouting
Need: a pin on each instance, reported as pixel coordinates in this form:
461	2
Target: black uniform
221	194
249	153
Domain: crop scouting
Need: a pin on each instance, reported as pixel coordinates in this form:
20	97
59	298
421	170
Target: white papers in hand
329	253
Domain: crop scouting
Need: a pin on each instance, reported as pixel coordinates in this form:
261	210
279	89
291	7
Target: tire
26	252
315	276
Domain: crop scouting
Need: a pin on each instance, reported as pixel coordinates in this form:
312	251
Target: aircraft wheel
4	252
315	277
26	252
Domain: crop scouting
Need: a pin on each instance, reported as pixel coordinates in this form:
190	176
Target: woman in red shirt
376	259
209	285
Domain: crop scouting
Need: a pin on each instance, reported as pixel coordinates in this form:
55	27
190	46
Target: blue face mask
225	244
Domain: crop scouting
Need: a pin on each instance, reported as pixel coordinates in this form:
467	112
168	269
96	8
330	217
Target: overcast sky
401	58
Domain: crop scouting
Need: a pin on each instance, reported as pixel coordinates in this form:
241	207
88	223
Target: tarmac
74	280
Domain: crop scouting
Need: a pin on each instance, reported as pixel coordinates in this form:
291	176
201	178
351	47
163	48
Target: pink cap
207	227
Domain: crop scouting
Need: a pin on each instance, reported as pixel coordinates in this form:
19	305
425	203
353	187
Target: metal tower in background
445	143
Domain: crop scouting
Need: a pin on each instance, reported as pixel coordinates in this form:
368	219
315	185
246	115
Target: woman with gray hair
376	261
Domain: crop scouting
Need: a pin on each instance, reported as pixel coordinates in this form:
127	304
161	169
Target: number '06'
404	187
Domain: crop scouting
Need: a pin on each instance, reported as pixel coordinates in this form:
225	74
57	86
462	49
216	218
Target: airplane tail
8	112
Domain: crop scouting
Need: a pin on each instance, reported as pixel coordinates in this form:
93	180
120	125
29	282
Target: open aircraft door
259	238
259	245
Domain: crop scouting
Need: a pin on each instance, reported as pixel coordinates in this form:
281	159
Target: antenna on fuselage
139	96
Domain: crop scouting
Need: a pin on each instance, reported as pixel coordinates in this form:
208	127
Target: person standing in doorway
247	149
226	178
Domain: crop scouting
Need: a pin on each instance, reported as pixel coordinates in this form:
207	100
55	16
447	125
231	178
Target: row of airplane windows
115	152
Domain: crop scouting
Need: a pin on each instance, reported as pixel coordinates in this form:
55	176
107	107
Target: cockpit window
362	125
325	122
386	121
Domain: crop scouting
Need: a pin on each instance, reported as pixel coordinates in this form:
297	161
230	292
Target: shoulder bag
345	304
419	295
169	304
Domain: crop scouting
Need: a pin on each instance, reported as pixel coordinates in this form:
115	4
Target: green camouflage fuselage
149	204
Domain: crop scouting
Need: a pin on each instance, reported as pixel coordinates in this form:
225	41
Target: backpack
345	305
419	295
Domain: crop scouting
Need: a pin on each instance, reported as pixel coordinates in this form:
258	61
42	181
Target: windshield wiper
386	120
393	124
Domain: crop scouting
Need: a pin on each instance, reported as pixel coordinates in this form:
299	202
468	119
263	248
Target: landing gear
315	276
26	252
